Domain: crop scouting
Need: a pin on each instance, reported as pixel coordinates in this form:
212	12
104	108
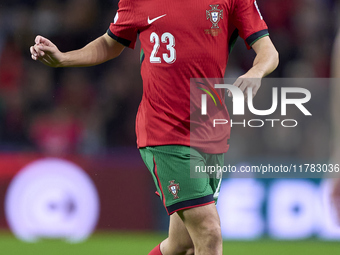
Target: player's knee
178	246
185	251
214	233
211	236
184	248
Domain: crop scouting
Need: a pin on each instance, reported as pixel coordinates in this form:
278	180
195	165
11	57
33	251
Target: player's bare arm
96	52
265	62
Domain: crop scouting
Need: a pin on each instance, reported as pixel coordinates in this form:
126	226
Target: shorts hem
192	203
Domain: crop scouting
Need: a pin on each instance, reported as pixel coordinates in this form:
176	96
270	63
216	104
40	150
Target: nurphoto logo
239	106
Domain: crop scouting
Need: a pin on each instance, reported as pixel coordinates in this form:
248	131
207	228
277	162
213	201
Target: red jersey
181	40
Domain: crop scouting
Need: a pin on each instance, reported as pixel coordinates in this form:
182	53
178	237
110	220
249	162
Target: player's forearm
94	53
265	63
266	60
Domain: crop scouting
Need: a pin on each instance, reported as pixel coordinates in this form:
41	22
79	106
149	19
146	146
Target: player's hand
46	52
244	82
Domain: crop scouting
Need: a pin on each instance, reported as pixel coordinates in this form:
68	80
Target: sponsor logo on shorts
174	188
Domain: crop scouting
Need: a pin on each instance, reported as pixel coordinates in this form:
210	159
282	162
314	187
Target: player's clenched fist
46	52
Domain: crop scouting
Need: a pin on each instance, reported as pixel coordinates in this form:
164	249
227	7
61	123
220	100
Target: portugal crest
174	188
215	15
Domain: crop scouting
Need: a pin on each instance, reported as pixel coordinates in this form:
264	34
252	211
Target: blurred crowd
91	110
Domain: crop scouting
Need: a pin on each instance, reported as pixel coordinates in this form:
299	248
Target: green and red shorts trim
171	168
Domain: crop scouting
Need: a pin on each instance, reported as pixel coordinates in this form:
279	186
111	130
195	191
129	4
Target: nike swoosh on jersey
153	20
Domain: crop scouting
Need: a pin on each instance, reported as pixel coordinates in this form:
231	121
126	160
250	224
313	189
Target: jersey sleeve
124	29
247	18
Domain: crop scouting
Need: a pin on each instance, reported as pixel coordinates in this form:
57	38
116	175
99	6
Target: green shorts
170	167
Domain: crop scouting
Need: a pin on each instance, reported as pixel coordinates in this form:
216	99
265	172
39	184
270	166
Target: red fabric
201	51
247	18
156	250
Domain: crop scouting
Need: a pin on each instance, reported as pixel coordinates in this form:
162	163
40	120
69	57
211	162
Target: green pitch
142	243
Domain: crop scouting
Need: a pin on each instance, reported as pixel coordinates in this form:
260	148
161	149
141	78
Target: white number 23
166	38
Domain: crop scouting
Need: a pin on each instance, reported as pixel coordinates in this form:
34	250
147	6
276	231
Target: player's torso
179	40
185	35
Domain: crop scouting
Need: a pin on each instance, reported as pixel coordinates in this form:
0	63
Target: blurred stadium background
69	167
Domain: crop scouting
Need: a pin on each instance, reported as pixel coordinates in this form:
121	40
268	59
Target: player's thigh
178	233
202	222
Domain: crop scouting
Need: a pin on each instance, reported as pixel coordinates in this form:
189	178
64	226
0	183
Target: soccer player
179	40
